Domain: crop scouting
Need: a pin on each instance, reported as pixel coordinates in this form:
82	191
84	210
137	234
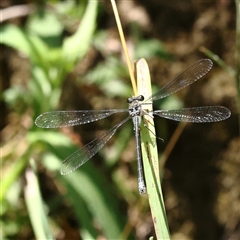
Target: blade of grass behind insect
150	155
29	44
13	173
218	60
75	46
87	185
35	205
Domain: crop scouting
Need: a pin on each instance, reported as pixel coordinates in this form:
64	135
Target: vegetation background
66	55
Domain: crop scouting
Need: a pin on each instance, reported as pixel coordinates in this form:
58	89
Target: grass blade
86	187
35	205
150	156
76	46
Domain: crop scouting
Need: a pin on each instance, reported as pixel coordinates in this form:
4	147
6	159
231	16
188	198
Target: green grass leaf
86	187
150	156
31	45
76	46
35	205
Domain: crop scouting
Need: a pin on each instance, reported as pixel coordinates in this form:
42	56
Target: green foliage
51	58
35	205
108	75
87	189
49	62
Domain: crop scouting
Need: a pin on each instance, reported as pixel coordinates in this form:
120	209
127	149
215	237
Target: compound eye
141	97
129	100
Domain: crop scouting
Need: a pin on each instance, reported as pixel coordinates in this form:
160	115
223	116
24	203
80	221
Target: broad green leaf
44	94
45	24
76	46
31	45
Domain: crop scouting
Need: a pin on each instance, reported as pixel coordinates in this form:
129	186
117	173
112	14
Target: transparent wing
82	155
192	74
59	119
197	115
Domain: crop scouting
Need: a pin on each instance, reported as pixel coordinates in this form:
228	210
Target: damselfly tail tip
142	191
142	188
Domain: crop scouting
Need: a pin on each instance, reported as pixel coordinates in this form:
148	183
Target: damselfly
204	114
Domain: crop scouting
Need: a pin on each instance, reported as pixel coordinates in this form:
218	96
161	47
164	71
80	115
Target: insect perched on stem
204	114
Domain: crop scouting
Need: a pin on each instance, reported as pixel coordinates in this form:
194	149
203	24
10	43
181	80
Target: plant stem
124	45
237	76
